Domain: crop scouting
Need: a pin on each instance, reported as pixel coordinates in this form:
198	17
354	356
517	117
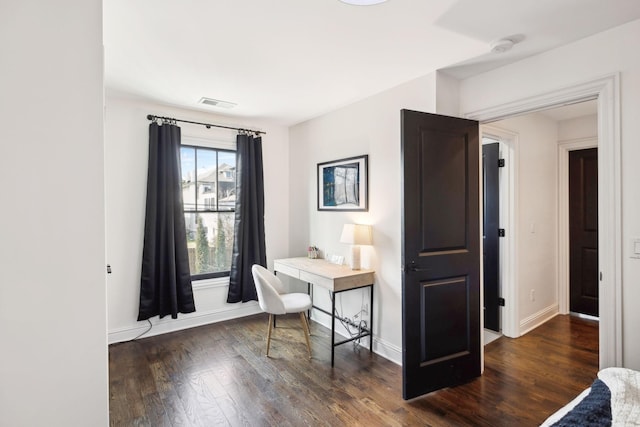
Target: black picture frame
343	185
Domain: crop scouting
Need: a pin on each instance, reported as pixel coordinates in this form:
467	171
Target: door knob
413	267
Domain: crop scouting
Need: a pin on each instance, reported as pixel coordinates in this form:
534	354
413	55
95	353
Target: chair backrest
268	287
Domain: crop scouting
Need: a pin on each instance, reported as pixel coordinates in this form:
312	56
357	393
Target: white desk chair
274	301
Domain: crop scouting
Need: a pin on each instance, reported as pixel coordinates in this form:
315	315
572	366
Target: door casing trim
606	90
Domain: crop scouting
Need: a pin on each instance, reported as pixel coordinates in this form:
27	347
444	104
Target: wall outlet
532	295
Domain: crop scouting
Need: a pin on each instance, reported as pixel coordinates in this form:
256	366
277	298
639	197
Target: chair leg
271	318
307	323
305	327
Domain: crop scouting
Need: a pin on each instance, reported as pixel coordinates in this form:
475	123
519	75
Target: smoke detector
217	103
501	45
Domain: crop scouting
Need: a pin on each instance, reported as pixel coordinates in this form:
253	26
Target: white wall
578	128
447	94
53	363
587	59
371	126
536	218
127	142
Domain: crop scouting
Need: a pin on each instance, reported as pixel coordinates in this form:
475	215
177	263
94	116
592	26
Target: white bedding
624	385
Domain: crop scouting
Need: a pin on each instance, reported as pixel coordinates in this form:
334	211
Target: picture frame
343	184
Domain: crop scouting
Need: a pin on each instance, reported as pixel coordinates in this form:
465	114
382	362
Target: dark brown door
440	252
490	236
583	231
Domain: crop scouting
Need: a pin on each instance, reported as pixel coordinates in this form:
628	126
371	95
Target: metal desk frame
335	278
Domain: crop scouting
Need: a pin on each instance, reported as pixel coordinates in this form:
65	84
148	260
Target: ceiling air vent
217	103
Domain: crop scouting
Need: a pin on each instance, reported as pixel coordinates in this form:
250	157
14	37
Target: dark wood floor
218	375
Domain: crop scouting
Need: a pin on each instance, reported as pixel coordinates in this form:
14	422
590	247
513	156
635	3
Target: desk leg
311	295
275	273
333	326
371	321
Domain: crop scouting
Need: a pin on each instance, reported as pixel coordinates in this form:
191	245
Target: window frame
217	146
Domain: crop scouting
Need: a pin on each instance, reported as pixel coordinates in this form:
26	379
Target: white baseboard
530	323
166	325
382	348
387	350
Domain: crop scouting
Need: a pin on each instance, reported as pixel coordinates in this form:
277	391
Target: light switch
635	248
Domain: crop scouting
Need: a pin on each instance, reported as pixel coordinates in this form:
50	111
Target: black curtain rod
208	125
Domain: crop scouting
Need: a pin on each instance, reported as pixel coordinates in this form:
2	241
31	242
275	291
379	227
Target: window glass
226	181
206	178
188	168
208	192
209	242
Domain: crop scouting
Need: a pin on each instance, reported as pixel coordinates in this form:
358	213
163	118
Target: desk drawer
285	269
324	282
351	282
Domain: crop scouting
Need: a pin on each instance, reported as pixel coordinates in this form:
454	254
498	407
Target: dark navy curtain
165	283
248	239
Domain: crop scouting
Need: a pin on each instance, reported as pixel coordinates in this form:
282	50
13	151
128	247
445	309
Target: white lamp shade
356	234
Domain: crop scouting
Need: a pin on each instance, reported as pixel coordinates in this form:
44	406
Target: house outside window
209	197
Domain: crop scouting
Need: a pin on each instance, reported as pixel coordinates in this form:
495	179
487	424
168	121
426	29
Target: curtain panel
165	284
249	236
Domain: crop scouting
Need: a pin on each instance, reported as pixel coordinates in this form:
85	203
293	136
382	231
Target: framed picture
342	185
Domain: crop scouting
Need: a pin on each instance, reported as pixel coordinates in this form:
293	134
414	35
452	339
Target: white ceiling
291	60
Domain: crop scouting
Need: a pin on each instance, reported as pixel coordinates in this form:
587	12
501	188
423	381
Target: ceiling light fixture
362	2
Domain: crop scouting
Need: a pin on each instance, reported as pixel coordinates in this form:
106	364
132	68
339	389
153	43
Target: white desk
335	278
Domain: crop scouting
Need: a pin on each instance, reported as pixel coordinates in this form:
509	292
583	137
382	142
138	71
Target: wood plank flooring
217	375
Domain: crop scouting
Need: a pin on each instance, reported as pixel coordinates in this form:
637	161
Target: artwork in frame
342	184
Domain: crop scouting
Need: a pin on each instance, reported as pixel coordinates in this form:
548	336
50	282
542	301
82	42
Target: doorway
607	92
529	227
583	232
565	148
491	233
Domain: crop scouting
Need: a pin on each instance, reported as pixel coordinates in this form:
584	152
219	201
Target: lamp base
355	257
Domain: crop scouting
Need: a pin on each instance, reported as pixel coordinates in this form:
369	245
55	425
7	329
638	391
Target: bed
612	400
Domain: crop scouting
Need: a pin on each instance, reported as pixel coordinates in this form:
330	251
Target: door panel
583	231
490	243
445	299
443	232
441	258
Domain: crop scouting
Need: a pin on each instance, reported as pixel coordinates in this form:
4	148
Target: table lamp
356	235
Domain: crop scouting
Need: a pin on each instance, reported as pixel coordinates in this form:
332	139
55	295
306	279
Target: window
209	197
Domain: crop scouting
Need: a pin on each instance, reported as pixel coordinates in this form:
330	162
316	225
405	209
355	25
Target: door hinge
501	232
500	163
501	302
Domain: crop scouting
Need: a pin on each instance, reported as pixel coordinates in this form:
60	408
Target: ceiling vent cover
217	103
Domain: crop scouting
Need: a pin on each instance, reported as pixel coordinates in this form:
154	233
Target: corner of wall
447	94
